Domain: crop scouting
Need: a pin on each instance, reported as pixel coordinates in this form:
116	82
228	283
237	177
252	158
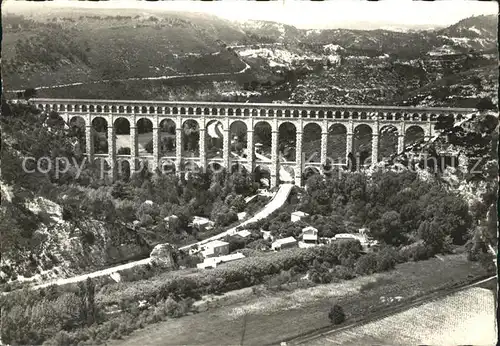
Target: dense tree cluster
398	208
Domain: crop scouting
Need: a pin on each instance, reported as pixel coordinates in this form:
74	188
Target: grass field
269	318
463	318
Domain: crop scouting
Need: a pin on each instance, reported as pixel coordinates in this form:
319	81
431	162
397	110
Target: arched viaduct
200	114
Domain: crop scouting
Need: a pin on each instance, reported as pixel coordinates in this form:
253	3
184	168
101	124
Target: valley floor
251	318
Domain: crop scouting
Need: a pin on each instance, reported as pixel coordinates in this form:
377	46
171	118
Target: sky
300	13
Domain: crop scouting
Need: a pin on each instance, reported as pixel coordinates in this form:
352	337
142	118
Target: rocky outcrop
62	248
165	256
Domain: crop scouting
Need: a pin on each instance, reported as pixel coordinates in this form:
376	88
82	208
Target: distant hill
207	54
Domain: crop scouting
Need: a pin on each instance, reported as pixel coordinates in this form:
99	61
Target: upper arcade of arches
339	113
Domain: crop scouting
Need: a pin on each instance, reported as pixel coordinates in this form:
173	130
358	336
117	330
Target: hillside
189	56
113	47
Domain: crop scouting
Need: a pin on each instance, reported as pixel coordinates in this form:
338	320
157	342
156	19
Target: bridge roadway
324	118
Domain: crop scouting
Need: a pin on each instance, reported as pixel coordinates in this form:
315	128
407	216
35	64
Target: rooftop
285	241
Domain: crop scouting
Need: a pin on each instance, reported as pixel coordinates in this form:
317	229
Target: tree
336	315
29	93
485	103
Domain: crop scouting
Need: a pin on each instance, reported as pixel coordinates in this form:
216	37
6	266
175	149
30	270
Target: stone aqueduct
300	115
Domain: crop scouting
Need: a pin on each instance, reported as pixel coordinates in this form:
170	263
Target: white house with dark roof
310	235
215	248
298	216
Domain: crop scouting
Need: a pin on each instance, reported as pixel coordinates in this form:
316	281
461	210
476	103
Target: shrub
386	259
415	252
367	264
336	315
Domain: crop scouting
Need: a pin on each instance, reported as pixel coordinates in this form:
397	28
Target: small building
242	215
298	216
310	235
202	223
284	243
212	262
244	233
215	248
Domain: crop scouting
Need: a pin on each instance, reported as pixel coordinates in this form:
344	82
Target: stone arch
346	115
230	111
270	113
191	167
309	171
287	174
237	112
414	134
388	141
279	113
167	166
415	117
296	113
262	132
144	137
206	111
255	112
182	110
337	143
100	134
175	110
311	142
214	111
287	139
262	113
215	167
151	110
262	175
214	139
238	167
103	165
159	110
190	110
389	116
246	112
222	111
129	109
190	138
123	169
167	137
77	127
338	115
238	137
362	143
122	133
288	114
424	117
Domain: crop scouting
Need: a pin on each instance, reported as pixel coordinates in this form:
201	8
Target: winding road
276	202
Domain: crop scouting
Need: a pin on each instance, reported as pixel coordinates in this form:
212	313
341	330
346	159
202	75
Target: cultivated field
271	317
464	318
